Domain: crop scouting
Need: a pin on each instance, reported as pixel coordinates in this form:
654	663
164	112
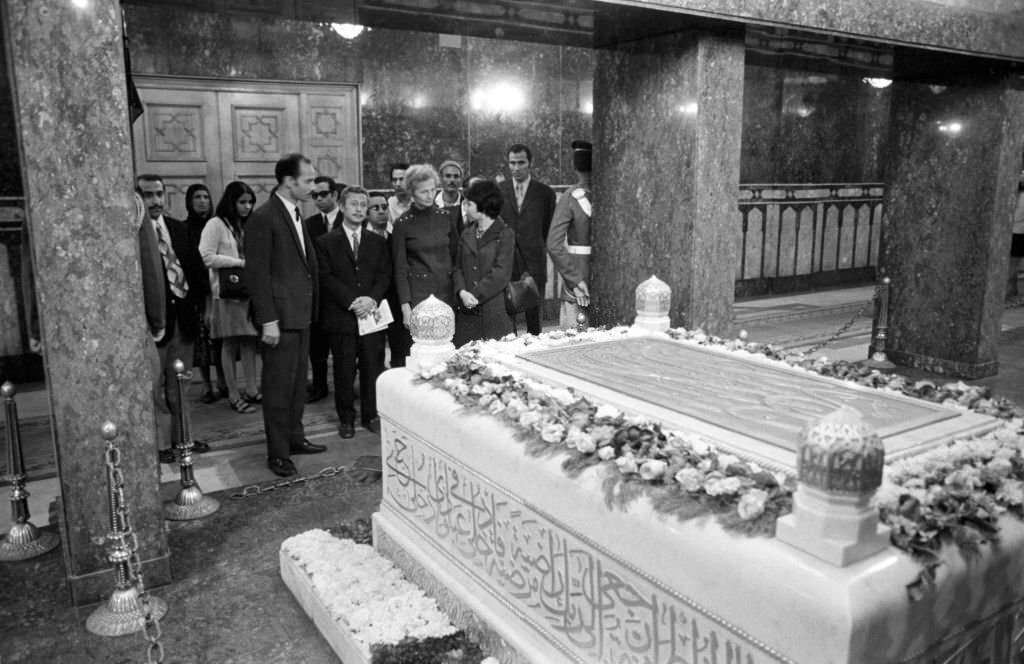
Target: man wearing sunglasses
325	196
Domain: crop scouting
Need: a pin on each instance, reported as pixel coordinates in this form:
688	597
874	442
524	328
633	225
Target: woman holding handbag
223	250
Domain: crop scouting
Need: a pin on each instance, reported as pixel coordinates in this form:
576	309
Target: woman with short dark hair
483	266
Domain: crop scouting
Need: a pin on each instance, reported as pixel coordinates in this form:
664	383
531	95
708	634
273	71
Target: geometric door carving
214	131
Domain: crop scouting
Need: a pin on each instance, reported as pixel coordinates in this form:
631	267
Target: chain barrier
847	325
254	490
151	627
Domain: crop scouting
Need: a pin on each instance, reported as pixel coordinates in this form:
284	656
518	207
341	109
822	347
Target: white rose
581	440
486	400
606	411
514	408
626	464
552	433
653	469
496	407
726	460
752	503
728	485
1001	467
1012	492
699	446
562	396
529	418
606	453
690	479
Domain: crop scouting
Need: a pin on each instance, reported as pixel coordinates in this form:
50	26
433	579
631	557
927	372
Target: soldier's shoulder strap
583	198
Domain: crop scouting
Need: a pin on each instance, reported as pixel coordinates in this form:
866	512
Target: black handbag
232	283
521	294
232	279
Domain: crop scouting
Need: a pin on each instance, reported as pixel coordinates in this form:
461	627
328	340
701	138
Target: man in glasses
325	196
399	203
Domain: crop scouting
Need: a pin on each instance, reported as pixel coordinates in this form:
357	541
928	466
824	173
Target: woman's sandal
240	405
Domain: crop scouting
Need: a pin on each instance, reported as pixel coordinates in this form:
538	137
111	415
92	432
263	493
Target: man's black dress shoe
306	447
373	425
167	456
346	430
199	447
315	394
281	467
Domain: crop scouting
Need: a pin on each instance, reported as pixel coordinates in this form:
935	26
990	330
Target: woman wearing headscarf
199	206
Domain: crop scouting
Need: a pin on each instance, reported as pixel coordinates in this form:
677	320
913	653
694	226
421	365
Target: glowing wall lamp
347	30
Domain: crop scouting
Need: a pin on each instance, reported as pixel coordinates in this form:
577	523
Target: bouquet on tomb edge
390	618
685	476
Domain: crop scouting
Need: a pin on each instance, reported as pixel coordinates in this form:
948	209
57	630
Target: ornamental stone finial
839	468
653	299
432	328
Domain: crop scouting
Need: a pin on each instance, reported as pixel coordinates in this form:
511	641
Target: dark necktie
298	230
327	223
355	244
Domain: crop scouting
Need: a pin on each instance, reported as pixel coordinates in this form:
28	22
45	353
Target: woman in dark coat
483	267
423	246
206	352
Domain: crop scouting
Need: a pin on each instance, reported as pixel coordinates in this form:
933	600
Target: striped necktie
355	244
175	275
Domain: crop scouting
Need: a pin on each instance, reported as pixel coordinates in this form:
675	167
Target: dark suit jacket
315	225
343	278
184	313
283	284
531	225
153	278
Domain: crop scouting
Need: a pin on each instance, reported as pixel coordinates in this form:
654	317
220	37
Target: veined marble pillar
954	159
67	70
667	121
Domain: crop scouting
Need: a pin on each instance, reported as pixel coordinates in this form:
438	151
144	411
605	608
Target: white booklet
377	321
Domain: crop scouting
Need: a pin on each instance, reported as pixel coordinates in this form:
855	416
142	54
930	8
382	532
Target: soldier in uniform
569	238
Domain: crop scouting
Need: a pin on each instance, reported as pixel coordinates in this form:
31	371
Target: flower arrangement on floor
954	494
389	617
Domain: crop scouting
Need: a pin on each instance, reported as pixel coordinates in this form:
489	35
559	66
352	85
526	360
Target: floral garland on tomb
389	617
953	494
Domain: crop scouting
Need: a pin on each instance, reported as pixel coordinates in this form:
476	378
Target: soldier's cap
582	152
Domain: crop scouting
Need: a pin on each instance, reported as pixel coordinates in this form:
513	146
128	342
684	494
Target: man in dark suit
529	206
377	221
328	217
355	273
184	277
281	273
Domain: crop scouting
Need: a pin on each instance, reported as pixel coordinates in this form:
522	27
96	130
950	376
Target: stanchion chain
846	326
151	626
254	490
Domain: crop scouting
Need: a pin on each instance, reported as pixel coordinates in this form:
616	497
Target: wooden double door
213	131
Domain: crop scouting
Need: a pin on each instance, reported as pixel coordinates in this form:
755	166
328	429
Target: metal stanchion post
190	503
129	609
879	360
24	540
582	320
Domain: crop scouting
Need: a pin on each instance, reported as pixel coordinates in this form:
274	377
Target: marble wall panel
955	160
417	89
803	125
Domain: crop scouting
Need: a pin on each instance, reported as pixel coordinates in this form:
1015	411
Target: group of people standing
312	284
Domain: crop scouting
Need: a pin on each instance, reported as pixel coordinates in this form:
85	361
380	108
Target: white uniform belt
579	249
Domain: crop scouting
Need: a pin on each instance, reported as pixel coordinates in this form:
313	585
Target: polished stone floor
227	604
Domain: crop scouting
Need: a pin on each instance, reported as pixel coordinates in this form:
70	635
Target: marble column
667	123
954	159
70	101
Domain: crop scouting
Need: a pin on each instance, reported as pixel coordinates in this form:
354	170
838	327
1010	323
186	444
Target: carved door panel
330	124
177	138
258	128
216	131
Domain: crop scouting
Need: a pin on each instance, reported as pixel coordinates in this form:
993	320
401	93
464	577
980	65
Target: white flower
562	396
486	400
581	440
1000	467
552	432
653	469
429	372
602	434
751	504
606	453
606	411
529	418
699	446
690	479
514	408
726	460
1012	492
626	464
719	486
496	407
